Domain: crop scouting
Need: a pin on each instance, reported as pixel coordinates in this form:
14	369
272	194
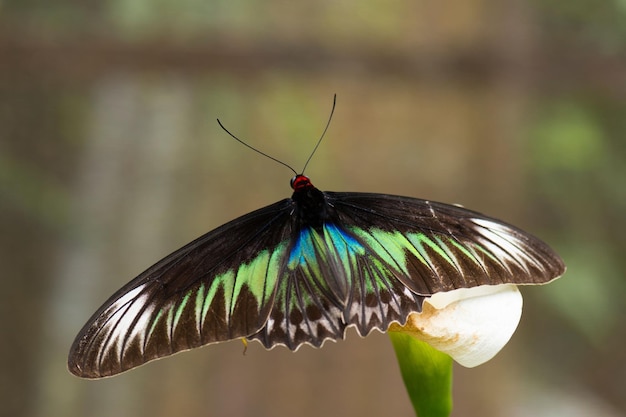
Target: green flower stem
427	375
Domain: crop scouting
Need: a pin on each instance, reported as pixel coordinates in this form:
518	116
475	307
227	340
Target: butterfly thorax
311	208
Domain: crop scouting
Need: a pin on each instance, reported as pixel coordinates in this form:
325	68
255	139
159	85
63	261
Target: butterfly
303	270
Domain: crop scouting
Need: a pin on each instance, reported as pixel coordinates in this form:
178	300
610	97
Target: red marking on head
300	182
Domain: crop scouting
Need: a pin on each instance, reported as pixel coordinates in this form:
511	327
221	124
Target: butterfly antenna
323	133
255	149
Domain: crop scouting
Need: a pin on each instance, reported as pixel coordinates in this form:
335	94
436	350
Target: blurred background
110	158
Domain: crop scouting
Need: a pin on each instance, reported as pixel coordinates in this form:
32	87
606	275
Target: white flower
469	324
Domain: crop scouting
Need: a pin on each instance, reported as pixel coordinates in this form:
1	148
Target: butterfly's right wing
440	247
219	287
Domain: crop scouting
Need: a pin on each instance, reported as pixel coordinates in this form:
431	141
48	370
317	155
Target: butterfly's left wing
219	287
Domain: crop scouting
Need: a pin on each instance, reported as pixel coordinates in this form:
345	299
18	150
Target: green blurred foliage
568	138
599	22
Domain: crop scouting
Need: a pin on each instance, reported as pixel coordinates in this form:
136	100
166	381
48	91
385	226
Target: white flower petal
469	324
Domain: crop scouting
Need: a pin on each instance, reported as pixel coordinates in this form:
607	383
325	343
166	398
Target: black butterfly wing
218	287
441	247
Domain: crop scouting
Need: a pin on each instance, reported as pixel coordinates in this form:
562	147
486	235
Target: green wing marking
335	278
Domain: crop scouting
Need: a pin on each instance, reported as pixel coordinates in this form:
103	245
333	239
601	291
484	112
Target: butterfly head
300	182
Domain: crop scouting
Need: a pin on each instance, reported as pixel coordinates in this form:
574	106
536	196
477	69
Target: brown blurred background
110	158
